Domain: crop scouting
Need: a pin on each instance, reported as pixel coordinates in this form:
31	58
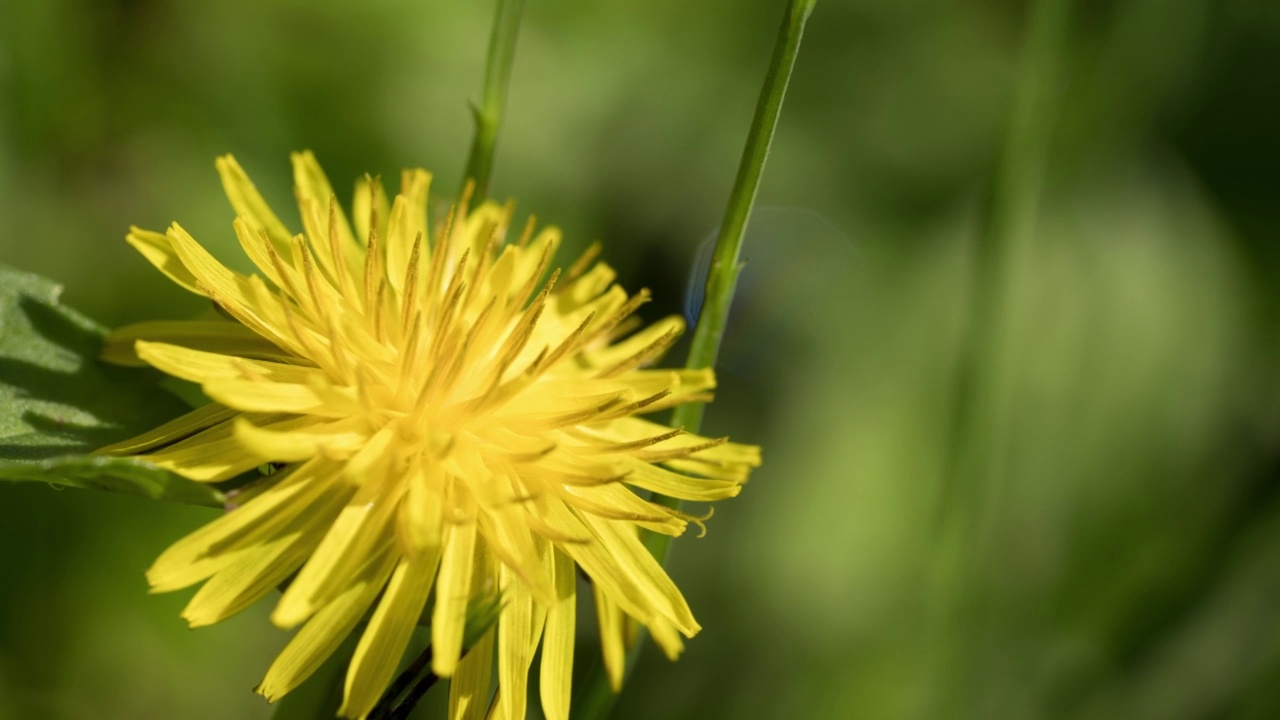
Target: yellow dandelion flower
449	423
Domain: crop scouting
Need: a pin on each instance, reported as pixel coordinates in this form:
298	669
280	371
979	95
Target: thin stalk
497	76
722	278
596	699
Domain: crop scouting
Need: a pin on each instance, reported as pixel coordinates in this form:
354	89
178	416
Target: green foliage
58	403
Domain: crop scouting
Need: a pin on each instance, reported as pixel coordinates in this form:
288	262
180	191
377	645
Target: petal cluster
449	420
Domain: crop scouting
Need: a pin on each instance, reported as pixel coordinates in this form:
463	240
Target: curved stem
497	76
596	699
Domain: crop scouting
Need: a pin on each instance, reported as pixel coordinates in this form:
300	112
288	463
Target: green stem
596	699
722	278
497	76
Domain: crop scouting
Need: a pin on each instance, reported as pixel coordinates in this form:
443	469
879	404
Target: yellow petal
558	637
364	203
255	574
519	627
251	242
737	472
322	635
620	565
278	397
619	352
248	202
388	634
216	454
357	532
508	535
496	709
673	484
681	382
199	366
420	524
408	219
453	590
726	454
586	288
217	336
243	298
610	619
177	429
469	687
528	263
290	494
314	194
498	280
615	502
633	559
473	232
666	637
304	440
158	250
659	389
596	562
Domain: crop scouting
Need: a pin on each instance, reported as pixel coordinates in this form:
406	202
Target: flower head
450	420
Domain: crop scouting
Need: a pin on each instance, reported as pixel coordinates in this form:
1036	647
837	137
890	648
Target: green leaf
58	403
121	475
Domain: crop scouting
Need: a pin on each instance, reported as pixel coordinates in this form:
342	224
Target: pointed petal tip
160	581
351	712
288	616
269	691
444	667
196	620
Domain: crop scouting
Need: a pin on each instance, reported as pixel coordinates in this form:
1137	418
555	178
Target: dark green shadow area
58	403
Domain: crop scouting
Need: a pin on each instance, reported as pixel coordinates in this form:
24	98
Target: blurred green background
1013	469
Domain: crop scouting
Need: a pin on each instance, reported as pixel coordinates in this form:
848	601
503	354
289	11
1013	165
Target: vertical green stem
497	76
722	278
595	699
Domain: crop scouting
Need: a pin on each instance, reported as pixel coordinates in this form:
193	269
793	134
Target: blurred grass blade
1001	253
596	699
497	76
58	403
976	475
